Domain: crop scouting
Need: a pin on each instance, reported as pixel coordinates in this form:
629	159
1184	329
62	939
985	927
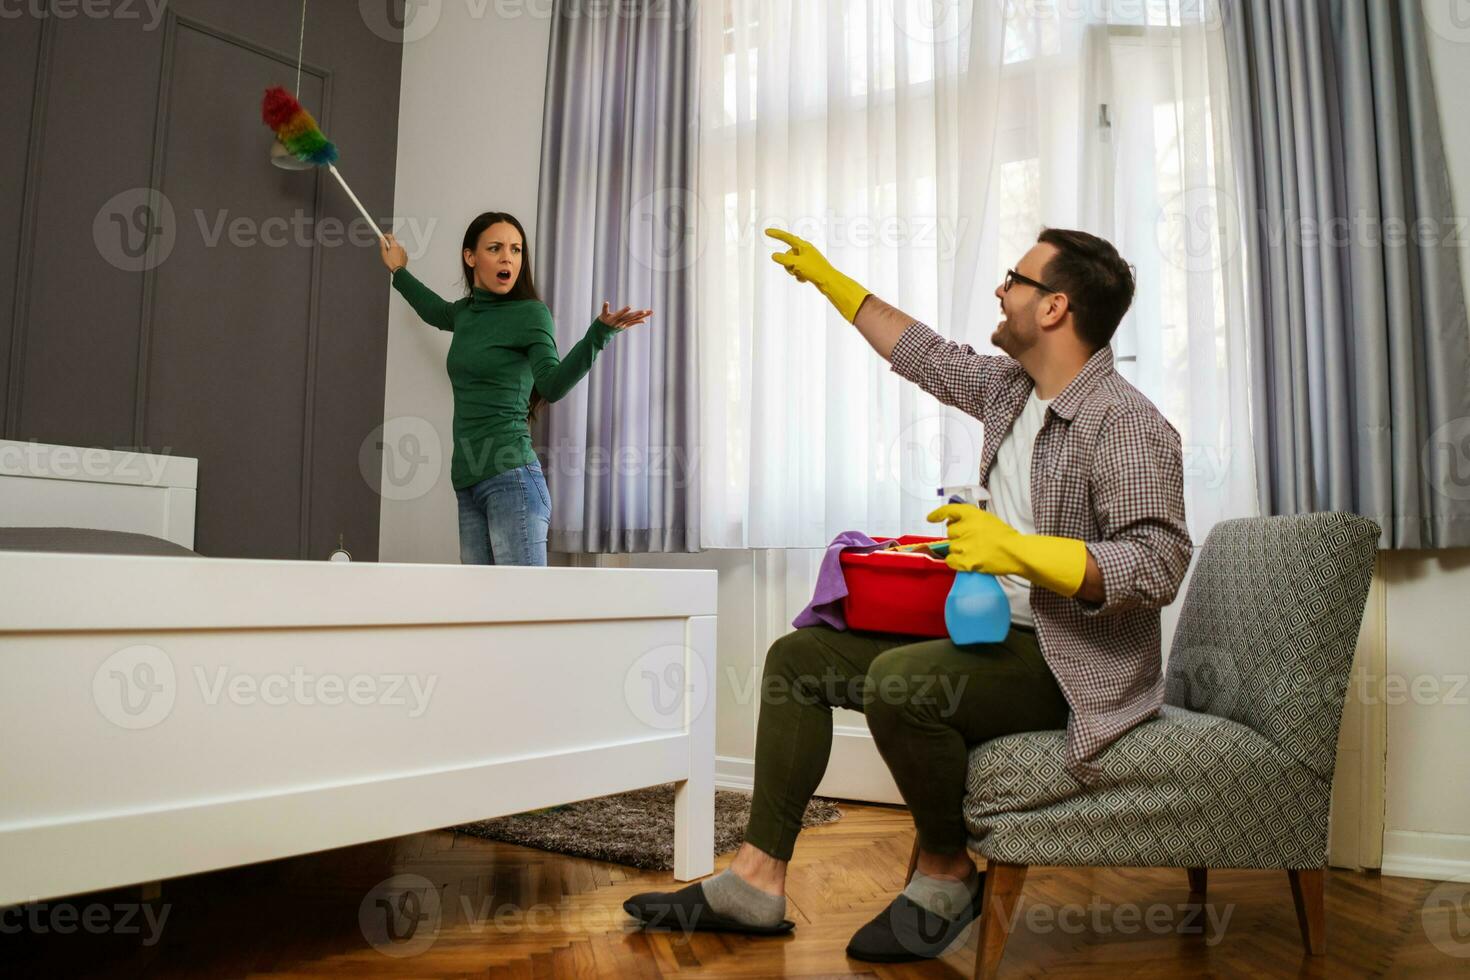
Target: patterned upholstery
1236	771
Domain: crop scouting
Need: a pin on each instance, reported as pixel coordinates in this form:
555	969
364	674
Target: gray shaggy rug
635	829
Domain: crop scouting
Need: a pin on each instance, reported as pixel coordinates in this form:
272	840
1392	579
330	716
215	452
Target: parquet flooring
511	912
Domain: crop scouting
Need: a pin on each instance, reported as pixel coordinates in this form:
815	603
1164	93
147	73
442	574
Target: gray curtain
1360	349
614	222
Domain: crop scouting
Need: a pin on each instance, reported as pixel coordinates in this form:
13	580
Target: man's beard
1011	340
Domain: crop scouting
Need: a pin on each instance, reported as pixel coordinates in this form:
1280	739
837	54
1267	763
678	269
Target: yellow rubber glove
982	542
807	264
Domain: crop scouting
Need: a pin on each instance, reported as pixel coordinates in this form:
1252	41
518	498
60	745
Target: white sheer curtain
923	145
1164	193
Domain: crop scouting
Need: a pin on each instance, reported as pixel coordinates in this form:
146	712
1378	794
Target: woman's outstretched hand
394	255
624	318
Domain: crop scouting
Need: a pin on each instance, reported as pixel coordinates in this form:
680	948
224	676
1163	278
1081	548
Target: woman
502	364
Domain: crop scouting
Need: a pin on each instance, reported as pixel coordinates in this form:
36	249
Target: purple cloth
825	609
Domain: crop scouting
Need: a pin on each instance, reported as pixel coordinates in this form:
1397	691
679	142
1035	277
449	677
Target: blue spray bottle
977	610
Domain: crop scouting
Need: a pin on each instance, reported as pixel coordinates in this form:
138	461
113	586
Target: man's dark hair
1098	283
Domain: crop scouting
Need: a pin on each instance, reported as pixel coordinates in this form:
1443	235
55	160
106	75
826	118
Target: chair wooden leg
1311	908
1198	882
1003	883
913	861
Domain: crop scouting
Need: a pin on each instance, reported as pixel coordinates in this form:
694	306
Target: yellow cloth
982	542
807	264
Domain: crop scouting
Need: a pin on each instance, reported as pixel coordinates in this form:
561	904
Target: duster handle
371	223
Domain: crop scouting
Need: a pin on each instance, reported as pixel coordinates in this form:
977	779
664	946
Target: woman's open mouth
503	275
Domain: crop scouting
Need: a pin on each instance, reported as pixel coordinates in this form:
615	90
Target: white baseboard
1437	857
733	773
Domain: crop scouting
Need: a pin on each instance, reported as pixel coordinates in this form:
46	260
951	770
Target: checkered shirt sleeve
1138	505
953	373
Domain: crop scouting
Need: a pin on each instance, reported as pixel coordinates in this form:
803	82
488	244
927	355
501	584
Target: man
1086	529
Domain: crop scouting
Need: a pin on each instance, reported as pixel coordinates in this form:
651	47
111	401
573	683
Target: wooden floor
511	912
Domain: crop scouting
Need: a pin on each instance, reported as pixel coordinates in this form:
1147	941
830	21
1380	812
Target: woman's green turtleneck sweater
501	348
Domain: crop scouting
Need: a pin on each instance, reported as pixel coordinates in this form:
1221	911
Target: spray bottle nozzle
965	493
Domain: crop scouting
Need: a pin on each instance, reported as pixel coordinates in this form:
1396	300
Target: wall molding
25	260
734	773
161	129
313	336
1415	854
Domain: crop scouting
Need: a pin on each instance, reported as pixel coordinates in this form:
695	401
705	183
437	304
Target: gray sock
734	897
945	897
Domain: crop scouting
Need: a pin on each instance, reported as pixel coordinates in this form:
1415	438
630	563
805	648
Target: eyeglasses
1013	277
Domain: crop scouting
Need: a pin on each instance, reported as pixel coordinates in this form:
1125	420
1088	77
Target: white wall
469	140
1427	819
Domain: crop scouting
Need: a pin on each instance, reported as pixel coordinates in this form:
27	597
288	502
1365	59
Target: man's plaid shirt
1107	469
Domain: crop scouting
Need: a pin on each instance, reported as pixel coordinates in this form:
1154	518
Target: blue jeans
503	519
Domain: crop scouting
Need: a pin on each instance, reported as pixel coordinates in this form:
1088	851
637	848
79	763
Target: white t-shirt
1010	495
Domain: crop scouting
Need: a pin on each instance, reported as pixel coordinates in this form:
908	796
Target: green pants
926	703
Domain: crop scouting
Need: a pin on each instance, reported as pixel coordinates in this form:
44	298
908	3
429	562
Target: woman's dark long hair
524	286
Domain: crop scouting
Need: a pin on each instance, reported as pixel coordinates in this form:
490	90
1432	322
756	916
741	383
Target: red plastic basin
896	591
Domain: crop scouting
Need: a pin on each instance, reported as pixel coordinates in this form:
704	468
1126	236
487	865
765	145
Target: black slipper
687	910
906	931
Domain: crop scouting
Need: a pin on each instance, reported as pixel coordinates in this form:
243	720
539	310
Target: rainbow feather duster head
296	129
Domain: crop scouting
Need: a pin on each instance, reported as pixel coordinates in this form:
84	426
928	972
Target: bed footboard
167	716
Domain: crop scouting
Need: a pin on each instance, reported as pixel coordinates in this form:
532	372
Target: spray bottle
977	610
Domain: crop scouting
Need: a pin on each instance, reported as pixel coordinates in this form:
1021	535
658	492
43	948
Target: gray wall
256	347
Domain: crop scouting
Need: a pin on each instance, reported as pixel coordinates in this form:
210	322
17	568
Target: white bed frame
65	486
167	716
